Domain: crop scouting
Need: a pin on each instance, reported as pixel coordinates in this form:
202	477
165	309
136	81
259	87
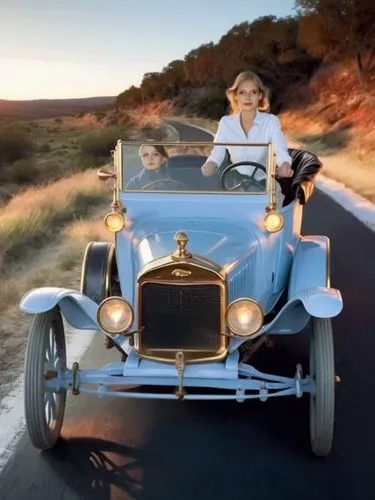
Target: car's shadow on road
96	468
211	440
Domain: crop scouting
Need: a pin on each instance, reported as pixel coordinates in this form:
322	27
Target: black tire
322	370
46	328
99	278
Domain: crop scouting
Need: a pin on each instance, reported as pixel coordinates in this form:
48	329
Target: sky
51	49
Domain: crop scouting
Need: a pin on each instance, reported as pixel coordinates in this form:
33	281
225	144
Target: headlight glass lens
114	222
273	222
244	317
115	315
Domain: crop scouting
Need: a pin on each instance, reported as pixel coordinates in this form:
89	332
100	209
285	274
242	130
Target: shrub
212	105
23	171
95	147
15	143
44	148
5	194
209	102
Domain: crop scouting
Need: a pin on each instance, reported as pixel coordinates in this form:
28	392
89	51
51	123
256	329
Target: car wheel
45	358
322	402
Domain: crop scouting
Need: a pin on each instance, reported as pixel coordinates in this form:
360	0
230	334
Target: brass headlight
273	222
115	315
114	222
244	317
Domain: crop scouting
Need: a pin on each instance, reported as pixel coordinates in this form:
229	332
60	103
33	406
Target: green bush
95	147
44	148
15	143
23	171
212	105
208	102
6	194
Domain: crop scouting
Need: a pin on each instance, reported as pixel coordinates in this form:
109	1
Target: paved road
255	451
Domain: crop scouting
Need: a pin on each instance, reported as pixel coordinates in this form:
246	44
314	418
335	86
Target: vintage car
203	272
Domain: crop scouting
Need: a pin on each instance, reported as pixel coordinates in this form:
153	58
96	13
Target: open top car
204	270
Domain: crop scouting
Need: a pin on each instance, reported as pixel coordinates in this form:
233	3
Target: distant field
49	108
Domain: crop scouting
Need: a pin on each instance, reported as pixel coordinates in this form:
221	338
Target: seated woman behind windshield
155	168
249	123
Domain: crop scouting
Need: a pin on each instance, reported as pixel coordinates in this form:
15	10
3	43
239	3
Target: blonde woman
248	123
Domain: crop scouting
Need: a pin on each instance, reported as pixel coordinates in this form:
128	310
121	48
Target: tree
131	98
337	29
203	65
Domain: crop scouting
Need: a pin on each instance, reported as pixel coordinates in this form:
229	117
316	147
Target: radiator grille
180	316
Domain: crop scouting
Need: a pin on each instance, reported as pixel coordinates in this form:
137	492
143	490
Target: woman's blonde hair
245	76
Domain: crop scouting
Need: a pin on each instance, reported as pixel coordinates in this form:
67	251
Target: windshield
171	167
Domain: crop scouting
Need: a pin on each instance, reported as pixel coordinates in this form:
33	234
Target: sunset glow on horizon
38	79
68	49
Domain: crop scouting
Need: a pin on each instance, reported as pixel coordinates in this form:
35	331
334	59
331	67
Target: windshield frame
118	159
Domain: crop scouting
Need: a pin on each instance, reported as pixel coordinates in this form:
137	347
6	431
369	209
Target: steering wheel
173	181
244	183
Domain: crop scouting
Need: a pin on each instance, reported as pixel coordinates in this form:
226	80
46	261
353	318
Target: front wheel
322	372
45	359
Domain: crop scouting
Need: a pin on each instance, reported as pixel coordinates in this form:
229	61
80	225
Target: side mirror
104	174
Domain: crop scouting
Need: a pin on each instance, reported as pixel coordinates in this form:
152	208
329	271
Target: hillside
49	108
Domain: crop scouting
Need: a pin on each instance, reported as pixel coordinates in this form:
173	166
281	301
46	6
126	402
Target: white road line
11	421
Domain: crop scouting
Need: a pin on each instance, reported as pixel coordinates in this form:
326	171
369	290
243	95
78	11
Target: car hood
222	242
235	247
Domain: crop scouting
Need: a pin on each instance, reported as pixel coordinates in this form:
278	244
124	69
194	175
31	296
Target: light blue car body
228	230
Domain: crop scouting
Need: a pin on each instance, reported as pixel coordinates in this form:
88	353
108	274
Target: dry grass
59	265
33	218
347	151
335	121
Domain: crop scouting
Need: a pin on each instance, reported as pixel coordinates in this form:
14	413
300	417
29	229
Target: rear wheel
45	359
322	371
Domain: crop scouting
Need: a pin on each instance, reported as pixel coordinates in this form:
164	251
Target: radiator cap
181	253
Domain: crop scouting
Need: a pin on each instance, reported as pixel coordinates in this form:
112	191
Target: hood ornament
181	253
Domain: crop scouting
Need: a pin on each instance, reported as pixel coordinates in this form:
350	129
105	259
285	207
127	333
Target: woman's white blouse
265	128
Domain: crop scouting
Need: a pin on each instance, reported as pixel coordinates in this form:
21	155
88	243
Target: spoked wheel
322	371
45	359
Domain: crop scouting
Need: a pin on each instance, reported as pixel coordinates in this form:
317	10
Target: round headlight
115	315
273	222
244	317
114	222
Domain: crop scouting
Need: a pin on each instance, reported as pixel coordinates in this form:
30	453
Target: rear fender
311	265
78	310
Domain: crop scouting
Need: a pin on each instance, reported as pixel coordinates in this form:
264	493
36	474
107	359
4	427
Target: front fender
321	302
78	310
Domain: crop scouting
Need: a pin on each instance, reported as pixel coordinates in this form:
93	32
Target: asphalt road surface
124	449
